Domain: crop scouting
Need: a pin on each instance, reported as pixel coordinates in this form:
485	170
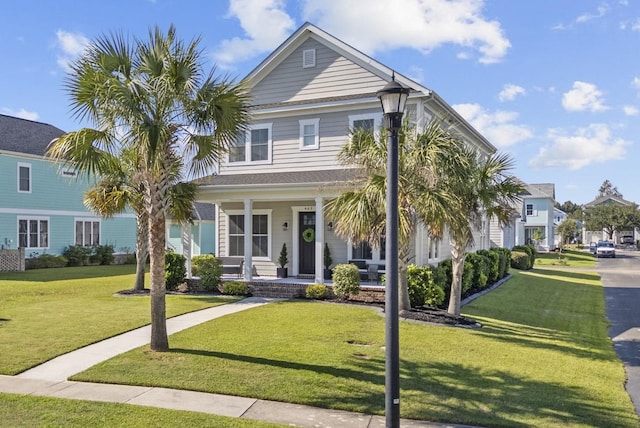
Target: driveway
621	279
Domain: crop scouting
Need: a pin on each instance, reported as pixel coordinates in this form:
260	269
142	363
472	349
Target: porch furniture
372	273
232	265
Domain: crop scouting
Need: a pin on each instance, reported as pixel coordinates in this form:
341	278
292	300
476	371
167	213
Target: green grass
29	411
568	258
542	358
47	312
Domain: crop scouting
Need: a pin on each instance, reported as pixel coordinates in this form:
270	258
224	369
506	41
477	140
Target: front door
307	242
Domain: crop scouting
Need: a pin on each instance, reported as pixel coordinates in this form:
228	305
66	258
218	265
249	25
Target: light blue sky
555	83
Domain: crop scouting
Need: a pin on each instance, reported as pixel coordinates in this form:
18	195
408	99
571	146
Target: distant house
41	207
197	238
597	235
271	189
533	220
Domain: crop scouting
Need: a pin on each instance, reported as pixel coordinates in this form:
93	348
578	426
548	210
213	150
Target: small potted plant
283	259
327	262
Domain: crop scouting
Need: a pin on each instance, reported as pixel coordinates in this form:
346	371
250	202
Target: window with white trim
253	147
530	209
24	177
260	234
33	232
309	134
364	251
368	122
87	232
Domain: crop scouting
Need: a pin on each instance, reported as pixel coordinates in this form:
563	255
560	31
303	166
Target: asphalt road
621	279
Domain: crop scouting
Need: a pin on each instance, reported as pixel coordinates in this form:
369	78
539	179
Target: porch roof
331	176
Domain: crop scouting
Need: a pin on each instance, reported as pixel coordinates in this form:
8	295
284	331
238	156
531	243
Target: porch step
305	276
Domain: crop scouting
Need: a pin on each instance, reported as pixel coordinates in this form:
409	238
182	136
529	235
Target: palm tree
360	214
121	187
154	98
483	188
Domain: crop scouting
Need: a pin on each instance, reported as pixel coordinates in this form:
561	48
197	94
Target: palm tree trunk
404	304
142	248
156	205
458	254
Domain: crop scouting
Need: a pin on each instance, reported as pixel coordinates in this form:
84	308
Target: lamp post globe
393	98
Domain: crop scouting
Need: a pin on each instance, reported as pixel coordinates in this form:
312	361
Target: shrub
102	254
442	276
519	260
504	255
493	264
49	261
529	250
209	269
175	269
76	255
467	278
422	288
234	288
480	265
346	280
316	291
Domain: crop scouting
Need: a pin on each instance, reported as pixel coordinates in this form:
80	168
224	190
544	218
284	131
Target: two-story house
41	208
272	187
533	220
619	237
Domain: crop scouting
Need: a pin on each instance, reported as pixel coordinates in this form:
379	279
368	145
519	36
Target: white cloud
586	146
266	25
417	24
72	46
583	96
510	92
497	127
635	84
585	17
22	113
630	110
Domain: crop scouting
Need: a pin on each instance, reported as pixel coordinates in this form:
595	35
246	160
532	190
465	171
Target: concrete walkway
50	379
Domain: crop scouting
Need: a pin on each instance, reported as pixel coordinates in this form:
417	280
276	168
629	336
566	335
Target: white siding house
273	186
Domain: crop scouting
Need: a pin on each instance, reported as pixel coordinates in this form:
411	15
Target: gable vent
308	58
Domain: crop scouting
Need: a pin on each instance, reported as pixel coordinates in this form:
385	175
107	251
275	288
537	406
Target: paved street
621	278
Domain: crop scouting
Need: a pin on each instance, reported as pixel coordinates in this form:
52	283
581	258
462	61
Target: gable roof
543	190
608	199
308	30
26	136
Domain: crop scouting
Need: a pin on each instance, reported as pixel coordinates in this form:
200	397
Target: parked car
592	247
626	239
605	249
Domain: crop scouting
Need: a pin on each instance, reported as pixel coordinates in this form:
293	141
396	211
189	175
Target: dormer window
308	58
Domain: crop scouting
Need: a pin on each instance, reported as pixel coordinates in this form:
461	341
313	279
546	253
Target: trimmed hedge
346	280
422	288
529	250
520	260
175	269
209	269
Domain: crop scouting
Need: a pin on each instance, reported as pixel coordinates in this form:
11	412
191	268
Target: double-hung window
87	232
367	122
309	134
24	178
253	147
33	232
260	234
366	252
530	209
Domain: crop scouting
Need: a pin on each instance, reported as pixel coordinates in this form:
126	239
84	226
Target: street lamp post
393	98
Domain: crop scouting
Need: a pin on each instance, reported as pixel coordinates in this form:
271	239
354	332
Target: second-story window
24	178
255	147
529	209
368	122
309	134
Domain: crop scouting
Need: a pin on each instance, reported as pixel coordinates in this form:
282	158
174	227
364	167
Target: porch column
319	241
248	241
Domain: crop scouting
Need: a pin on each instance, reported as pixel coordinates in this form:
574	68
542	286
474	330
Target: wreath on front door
309	234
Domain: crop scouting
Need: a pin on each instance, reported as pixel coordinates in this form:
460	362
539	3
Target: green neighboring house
41	205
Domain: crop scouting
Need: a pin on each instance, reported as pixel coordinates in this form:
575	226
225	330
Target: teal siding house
41	205
197	238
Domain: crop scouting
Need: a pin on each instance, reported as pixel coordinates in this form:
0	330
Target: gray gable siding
333	76
286	152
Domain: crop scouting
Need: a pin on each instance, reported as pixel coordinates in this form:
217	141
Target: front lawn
542	358
568	258
48	312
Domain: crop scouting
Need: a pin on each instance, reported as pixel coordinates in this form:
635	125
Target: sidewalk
49	379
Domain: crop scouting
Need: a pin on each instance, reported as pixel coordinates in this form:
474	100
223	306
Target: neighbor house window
260	237
253	147
529	209
368	122
309	134
366	252
24	178
33	232
87	232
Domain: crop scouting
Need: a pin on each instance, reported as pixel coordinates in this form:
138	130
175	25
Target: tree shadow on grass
449	392
68	273
592	276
